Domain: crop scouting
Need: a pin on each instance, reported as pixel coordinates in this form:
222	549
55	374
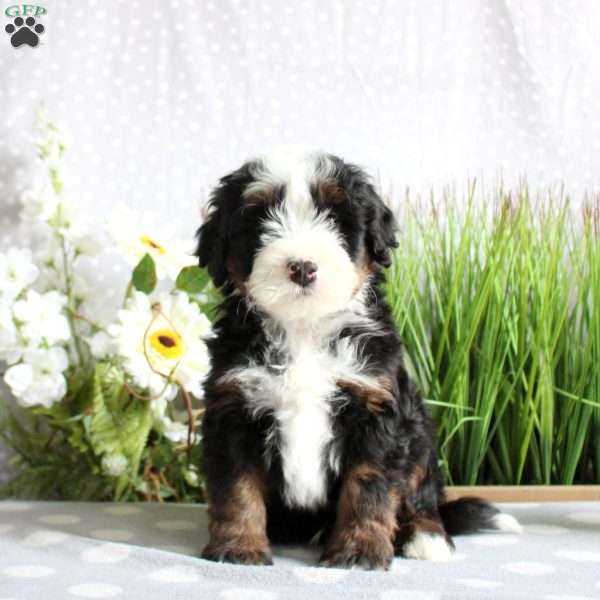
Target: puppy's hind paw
428	546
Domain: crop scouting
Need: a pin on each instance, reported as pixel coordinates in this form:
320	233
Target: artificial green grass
498	303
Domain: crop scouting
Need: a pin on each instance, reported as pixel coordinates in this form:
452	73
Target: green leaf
77	439
120	424
144	275
192	280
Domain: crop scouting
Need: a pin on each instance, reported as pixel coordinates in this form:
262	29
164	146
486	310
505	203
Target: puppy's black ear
379	223
214	234
211	250
380	233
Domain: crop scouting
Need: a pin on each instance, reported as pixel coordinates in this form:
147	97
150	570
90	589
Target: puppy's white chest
297	385
303	415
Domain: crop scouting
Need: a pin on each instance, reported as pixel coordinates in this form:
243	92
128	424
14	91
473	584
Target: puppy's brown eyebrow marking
328	191
261	197
257	194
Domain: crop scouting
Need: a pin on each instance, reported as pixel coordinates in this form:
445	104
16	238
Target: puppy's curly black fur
380	491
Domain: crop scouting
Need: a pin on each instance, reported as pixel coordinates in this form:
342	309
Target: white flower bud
191	477
114	465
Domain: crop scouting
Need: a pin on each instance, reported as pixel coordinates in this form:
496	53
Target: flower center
167	343
148	241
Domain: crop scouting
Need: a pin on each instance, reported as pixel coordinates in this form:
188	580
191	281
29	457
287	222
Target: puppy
312	428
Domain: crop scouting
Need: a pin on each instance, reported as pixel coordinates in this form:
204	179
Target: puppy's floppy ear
380	233
379	222
211	250
213	236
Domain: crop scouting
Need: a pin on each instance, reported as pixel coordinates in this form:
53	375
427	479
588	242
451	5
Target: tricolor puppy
312	428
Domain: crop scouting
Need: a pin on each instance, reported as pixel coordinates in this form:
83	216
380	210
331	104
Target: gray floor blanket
51	551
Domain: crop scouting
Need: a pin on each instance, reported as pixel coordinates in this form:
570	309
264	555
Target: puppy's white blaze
505	522
292	166
428	546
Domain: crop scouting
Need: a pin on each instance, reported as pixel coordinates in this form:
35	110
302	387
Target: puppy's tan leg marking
421	534
365	525
238	524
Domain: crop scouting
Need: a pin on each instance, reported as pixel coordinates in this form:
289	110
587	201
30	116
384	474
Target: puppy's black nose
302	272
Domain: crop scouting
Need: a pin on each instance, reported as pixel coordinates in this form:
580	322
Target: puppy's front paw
237	555
368	556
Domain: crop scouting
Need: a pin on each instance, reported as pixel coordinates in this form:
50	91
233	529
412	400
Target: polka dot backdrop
161	98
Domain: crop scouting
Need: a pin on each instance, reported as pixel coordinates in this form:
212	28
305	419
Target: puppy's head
297	233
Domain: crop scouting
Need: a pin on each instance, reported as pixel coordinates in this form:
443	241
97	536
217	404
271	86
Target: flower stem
81	317
70	301
128	292
188	405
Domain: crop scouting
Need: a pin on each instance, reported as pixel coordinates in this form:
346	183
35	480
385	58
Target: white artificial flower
52	141
68	215
84	240
17	271
162	343
13	344
138	234
100	309
114	465
49	256
82	284
158	407
100	344
8	336
52	274
63	216
47	251
77	230
41	317
39	205
175	430
191	476
39	380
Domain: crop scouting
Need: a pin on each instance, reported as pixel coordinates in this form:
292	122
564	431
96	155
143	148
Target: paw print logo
24	32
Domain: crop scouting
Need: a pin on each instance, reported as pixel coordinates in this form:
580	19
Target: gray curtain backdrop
162	97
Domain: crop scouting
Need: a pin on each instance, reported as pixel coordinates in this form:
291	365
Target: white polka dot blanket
149	551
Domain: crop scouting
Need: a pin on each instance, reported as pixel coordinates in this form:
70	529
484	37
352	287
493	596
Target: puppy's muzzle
302	272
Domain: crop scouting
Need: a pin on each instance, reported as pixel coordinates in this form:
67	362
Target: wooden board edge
527	493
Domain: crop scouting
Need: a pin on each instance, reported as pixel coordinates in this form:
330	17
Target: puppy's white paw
505	522
428	546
